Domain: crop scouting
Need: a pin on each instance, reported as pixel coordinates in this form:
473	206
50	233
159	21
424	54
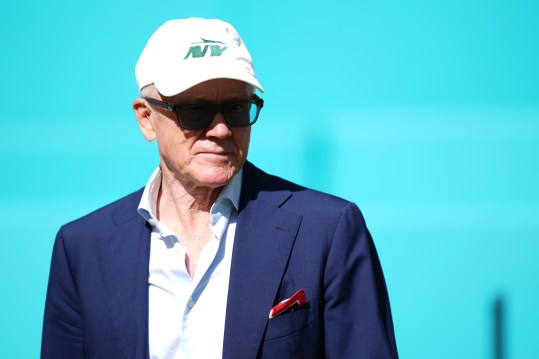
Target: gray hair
148	91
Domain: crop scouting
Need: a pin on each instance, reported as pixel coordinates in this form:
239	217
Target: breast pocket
293	335
291	323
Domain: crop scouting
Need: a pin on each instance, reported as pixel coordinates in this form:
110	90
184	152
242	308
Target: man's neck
186	213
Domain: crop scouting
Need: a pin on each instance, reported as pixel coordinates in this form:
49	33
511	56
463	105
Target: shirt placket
219	217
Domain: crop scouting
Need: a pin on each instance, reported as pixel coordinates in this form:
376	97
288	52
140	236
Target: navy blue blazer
288	238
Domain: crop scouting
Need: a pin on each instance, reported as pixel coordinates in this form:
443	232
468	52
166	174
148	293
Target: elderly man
213	257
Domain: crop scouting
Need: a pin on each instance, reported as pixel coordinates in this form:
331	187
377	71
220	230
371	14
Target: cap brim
176	83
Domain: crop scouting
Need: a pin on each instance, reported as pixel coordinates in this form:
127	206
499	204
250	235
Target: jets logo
200	49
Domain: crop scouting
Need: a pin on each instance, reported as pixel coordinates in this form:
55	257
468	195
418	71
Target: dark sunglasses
199	116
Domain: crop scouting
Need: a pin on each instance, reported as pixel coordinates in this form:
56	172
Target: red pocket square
288	305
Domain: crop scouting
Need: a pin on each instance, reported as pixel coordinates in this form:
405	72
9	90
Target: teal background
424	113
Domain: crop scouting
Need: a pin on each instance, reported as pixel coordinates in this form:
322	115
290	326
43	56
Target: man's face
199	158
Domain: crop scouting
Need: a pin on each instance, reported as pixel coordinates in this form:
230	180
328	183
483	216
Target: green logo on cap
198	51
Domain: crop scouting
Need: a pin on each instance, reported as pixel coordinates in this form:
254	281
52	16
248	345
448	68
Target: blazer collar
265	235
124	256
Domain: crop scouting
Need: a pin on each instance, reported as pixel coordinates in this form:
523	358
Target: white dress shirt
187	315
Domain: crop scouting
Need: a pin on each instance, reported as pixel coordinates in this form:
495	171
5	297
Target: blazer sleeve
62	324
357	316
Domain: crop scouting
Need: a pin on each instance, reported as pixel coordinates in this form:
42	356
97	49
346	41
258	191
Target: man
213	258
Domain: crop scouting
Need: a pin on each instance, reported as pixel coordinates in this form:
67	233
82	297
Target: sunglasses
199	116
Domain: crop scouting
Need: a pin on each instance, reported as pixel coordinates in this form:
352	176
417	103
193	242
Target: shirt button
151	221
190	303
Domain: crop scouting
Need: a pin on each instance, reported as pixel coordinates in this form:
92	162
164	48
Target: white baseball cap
183	53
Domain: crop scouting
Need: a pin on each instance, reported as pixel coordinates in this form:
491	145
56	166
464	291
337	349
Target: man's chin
214	177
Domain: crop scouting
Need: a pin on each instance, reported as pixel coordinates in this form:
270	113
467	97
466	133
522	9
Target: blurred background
425	113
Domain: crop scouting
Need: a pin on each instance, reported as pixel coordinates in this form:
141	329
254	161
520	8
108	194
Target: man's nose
218	127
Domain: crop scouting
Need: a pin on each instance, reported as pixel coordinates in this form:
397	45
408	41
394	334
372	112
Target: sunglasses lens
240	113
196	117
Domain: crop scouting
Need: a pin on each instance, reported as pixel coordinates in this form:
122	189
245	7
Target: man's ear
143	112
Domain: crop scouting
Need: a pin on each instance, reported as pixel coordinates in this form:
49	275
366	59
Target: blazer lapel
263	242
124	259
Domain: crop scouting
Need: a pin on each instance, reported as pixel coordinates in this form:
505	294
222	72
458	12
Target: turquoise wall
424	113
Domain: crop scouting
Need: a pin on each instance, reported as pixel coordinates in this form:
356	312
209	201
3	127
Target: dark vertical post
499	328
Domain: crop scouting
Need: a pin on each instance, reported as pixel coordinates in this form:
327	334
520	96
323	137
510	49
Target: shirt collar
148	201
